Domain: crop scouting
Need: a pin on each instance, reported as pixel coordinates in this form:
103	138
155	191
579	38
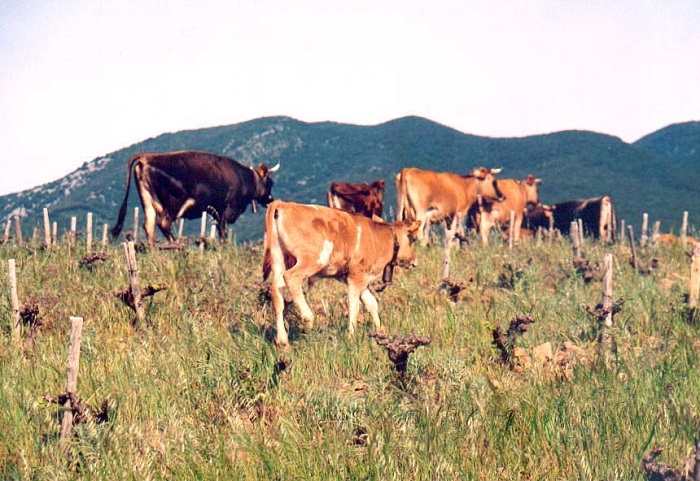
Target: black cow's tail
117	228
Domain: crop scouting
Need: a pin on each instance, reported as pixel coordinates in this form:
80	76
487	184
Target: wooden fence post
643	237
88	233
181	225
47	229
580	230
134	283
202	232
684	227
655	232
73	230
576	239
18	230
622	231
76	333
16	334
635	263
54	232
136	223
694	278
607	322
511	234
105	229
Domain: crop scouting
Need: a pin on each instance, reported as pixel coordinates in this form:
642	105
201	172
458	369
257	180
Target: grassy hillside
655	175
199	391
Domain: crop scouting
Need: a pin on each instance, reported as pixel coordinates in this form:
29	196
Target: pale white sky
83	78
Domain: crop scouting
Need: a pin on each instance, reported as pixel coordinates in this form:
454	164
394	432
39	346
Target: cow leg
517	225
449	236
354	292
276	285
485	225
149	215
294	278
370	303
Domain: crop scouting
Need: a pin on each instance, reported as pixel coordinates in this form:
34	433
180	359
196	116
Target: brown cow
366	199
303	241
425	196
518	196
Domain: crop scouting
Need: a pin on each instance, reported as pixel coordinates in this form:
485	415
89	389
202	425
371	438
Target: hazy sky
83	78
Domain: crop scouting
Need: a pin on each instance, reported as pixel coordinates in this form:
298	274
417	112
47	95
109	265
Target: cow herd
348	240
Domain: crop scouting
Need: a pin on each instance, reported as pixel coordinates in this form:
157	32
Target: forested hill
658	174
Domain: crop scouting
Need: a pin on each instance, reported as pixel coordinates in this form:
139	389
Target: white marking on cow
358	238
326	252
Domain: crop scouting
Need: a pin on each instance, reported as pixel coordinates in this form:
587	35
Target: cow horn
275	168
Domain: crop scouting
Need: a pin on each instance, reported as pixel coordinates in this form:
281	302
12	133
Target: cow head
406	235
531	184
487	184
263	191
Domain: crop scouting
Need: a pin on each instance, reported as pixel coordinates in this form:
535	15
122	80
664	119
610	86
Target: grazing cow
303	241
366	199
518	196
597	217
186	184
425	196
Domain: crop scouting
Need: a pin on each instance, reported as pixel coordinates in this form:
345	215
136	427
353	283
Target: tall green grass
198	391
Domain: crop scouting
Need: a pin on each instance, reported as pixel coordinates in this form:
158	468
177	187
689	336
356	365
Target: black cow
187	183
597	217
366	199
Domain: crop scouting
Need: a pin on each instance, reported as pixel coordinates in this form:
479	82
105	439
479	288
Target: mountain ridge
657	174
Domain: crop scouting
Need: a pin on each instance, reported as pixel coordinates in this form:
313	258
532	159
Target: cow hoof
282	343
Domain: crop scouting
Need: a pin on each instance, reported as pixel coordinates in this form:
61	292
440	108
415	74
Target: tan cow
518	195
304	241
428	196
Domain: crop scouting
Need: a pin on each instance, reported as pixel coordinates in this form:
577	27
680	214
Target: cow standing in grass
305	241
366	199
518	196
187	183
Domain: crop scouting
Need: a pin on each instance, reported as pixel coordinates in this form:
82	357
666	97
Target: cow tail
272	241
270	231
122	210
400	197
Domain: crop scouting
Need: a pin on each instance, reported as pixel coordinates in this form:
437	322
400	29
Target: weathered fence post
73	231
136	223
181	225
622	231
88	233
105	229
635	264
15	299
18	230
76	333
511	234
644	237
47	229
580	230
694	278
655	232
212	232
607	322
202	232
576	239
684	228
54	232
134	283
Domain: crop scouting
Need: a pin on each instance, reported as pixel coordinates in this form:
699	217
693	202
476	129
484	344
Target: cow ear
413	228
